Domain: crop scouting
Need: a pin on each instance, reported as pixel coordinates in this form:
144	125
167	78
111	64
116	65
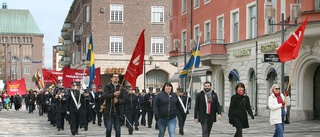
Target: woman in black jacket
239	106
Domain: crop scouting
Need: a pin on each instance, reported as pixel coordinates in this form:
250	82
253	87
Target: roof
18	22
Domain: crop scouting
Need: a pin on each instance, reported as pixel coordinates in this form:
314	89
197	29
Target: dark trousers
136	118
114	119
181	120
93	114
129	122
143	118
84	117
74	121
150	118
99	116
206	126
60	120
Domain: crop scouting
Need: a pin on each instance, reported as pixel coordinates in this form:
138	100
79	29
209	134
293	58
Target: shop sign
269	47
271	57
114	70
241	52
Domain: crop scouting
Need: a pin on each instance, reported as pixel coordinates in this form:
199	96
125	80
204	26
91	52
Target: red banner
70	75
49	77
16	86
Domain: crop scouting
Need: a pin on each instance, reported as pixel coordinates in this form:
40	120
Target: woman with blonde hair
277	105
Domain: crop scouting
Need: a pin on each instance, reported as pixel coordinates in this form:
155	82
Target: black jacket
165	105
200	107
108	96
184	100
71	106
131	104
239	106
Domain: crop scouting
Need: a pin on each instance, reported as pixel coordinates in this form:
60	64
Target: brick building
115	27
236	37
22	45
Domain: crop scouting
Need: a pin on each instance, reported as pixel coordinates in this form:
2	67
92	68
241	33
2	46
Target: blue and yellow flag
90	58
194	61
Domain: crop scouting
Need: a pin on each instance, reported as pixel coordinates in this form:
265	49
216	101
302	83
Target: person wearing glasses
277	105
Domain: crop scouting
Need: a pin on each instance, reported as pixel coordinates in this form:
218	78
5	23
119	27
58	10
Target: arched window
156	78
233	78
14	59
26	59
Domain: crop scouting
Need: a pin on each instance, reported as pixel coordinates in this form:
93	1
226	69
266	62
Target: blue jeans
163	123
114	119
279	128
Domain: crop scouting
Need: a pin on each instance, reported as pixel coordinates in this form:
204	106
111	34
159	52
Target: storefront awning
203	71
233	73
175	77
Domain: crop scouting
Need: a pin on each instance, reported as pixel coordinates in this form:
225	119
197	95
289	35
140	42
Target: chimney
4	5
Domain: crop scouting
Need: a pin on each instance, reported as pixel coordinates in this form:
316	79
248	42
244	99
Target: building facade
236	41
115	27
22	45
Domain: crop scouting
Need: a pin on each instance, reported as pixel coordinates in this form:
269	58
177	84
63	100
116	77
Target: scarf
240	93
209	95
279	99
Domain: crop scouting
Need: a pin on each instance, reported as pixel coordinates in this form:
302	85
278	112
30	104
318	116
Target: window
18	39
184	6
14	70
26	70
184	39
272	28
196	3
116	44
26	59
317	4
207	31
235	27
157	45
14	59
87	45
116	12
28	85
88	14
220	36
157	13
196	33
30	40
206	1
252	22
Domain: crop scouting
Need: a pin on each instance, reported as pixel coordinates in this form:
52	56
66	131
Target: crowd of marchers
114	106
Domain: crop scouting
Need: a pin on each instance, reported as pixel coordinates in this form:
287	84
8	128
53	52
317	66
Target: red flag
49	77
135	67
289	50
18	86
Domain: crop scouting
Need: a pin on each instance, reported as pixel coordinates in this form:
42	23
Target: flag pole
194	62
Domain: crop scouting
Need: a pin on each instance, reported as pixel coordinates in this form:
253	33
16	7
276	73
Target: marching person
143	108
73	105
239	106
31	98
131	102
61	108
137	108
156	116
149	106
114	99
92	104
98	101
206	109
277	105
165	108
85	109
182	115
17	101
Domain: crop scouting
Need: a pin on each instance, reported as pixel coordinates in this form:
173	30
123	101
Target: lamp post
144	69
295	13
10	65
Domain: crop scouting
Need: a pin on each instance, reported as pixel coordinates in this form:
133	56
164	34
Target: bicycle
1	105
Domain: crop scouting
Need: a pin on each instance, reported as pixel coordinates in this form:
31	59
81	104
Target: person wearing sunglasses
277	105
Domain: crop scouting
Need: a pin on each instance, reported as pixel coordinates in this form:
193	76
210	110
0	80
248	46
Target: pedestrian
131	101
31	98
277	105
206	109
165	108
138	108
61	108
92	109
143	108
17	101
239	106
288	104
73	105
156	117
85	109
149	98
98	101
182	115
114	100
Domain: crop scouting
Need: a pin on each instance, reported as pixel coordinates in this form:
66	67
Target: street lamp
146	62
295	13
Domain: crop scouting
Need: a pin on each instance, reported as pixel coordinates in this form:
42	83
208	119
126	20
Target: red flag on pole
49	77
289	50
135	67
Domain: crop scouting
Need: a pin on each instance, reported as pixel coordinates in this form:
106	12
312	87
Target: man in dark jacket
61	108
98	101
113	112
131	101
206	108
73	105
149	98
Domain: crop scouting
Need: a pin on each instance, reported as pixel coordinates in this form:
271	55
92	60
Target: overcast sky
49	15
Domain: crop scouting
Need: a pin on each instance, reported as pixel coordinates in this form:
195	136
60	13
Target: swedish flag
194	61
90	58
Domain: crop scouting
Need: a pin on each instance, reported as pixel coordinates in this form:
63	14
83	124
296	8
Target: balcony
62	47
